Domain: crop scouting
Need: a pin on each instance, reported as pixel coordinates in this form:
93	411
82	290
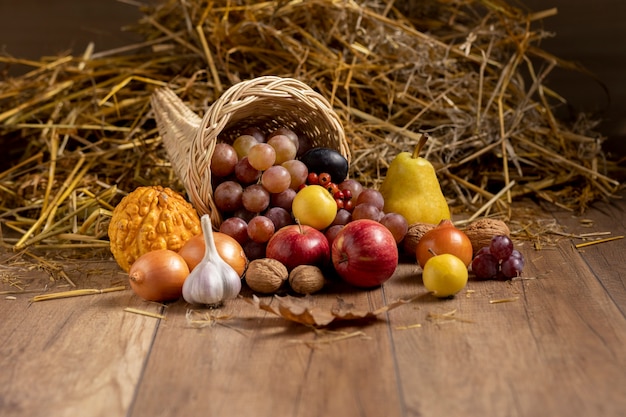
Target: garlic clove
213	280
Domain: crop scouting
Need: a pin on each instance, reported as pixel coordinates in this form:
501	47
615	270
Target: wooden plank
74	356
556	350
606	260
263	366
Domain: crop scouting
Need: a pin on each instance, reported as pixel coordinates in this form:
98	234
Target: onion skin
193	251
228	248
158	275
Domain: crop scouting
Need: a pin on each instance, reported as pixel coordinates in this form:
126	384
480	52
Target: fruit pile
264	182
291	215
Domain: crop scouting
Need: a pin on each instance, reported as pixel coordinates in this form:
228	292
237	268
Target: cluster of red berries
343	198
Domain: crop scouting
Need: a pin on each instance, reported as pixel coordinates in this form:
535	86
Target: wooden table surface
550	344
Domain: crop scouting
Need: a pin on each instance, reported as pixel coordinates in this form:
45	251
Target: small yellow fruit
314	206
444	275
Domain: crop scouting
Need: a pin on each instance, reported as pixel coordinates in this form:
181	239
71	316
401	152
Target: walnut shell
306	279
266	275
481	231
413	236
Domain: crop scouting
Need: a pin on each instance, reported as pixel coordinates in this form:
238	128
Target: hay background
88	137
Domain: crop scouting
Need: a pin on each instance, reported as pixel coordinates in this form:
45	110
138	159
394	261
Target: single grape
260	229
298	171
484	249
254	250
223	160
228	196
246	173
366	211
276	179
243	143
501	247
235	227
284	147
244	214
261	156
353	185
396	224
256	132
283	199
342	217
255	198
286	132
512	267
485	266
370	196
279	216
518	254
304	145
331	233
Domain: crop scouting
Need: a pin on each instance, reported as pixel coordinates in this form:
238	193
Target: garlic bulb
212	281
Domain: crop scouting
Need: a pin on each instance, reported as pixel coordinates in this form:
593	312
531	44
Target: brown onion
228	248
158	275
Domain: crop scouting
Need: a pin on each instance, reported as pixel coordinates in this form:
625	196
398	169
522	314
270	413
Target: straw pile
80	134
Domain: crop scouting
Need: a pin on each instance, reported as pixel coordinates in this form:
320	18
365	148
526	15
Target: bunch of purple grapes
499	260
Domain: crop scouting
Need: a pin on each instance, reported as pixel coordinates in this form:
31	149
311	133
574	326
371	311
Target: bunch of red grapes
499	260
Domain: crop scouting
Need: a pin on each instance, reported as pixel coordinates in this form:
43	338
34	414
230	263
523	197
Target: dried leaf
302	310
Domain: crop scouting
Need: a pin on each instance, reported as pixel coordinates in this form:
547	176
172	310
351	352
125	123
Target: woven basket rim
259	98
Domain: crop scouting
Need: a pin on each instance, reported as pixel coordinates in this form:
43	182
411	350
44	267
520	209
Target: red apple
298	244
365	253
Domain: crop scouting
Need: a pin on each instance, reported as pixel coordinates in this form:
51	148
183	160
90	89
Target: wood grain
605	260
556	350
75	356
259	364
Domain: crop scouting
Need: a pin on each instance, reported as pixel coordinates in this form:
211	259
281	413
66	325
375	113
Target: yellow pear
412	189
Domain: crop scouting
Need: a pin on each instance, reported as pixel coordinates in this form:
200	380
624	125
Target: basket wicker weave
267	102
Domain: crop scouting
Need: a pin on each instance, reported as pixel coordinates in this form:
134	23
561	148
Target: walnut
481	231
306	279
413	236
266	275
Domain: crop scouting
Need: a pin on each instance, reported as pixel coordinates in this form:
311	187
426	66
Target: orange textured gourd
150	218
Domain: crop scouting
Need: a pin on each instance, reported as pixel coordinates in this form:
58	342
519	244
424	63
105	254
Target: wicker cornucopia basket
267	103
